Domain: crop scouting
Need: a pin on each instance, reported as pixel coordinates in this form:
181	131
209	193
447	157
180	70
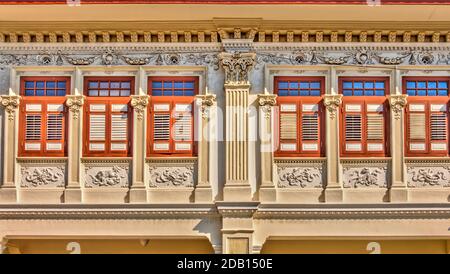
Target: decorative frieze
75	103
171	176
364	177
139	103
428	173
332	103
237	67
10	103
397	103
99	176
298	177
42	176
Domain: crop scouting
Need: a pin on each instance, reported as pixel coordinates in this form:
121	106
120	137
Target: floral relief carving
139	103
303	177
115	176
42	176
174	176
397	102
360	177
237	67
10	103
332	103
75	103
429	176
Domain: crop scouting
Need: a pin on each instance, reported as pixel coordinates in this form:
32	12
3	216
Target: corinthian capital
397	102
139	103
75	103
332	103
10	103
237	66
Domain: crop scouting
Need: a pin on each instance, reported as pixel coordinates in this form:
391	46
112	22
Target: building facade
153	127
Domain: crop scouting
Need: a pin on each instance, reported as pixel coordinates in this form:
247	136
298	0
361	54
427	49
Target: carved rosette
10	103
237	66
332	103
107	176
428	176
42	176
139	103
397	102
75	103
365	177
266	102
205	102
300	177
171	176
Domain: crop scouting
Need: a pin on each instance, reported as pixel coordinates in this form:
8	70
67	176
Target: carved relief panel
172	174
36	174
300	174
107	174
428	174
365	174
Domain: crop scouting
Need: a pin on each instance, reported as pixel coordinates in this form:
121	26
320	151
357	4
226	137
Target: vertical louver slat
310	127
182	127
161	126
288	126
119	127
55	126
438	126
353	124
375	126
417	126
97	124
33	127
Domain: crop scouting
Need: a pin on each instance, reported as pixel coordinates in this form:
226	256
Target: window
364	119
299	116
108	116
43	116
171	127
426	116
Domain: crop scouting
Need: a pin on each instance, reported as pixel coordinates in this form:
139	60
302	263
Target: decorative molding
266	102
365	177
332	103
107	176
237	67
206	101
397	102
139	103
40	176
10	103
426	176
171	160
171	176
296	177
75	103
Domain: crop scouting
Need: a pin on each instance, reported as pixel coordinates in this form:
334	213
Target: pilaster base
398	195
170	195
8	195
267	194
237	193
138	195
334	195
72	195
203	194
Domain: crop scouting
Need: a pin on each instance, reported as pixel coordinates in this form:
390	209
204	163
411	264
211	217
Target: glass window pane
421	92
40	92
410	84
358	85
432	92
114	92
358	92
50	84
315	92
155	84
61	92
189	92
104	85
178	92
62	84
29	92
125	84
178	84
379	85
125	92
283	85
29	84
293	85
167	93
411	92
368	92
168	85
368	84
156	92
282	92
93	84
304	85
189	85
40	84
315	85
442	92
115	85
104	92
51	92
421	84
379	92
442	85
348	84
432	85
93	92
347	92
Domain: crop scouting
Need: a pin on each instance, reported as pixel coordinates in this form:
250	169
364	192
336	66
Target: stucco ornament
75	103
171	177
429	176
42	176
205	102
397	102
115	176
237	66
300	177
266	102
365	177
10	103
139	103
332	103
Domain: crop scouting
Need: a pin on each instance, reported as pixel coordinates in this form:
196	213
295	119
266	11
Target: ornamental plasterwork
365	177
42	176
427	176
266	102
397	102
171	176
10	103
107	176
139	103
75	103
237	66
206	101
300	177
332	103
